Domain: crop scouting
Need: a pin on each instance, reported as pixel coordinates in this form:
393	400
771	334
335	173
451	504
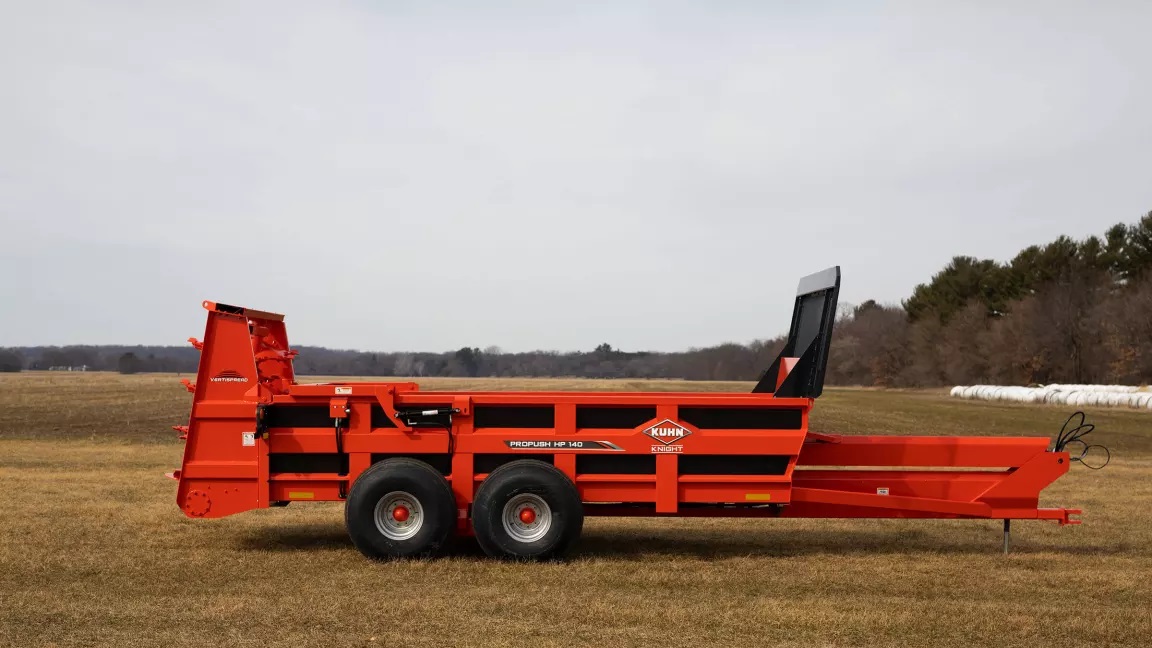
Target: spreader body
257	438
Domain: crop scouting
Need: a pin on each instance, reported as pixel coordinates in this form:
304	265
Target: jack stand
1007	535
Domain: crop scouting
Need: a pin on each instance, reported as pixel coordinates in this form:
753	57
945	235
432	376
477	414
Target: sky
425	176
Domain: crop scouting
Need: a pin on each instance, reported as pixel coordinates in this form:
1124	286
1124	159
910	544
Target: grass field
93	550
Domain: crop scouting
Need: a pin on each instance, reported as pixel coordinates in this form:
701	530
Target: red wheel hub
527	515
400	514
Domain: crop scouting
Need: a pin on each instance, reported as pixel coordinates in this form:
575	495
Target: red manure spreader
520	470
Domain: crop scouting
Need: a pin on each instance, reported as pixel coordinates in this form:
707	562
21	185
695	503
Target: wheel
527	510
400	508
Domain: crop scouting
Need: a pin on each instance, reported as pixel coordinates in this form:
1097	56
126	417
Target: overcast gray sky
423	176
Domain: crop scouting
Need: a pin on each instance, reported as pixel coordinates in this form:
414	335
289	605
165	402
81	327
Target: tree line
1066	311
724	362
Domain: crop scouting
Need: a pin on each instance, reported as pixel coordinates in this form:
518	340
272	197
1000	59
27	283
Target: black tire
400	483
527	483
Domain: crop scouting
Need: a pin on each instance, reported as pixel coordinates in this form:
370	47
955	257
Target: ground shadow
318	536
737	542
296	537
643	543
788	542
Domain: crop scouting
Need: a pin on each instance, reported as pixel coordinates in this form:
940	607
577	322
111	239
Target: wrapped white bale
1119	389
1059	394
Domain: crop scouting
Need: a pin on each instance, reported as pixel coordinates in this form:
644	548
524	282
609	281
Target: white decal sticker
553	444
343	390
881	491
248	438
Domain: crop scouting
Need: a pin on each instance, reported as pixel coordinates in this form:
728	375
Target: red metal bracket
1062	516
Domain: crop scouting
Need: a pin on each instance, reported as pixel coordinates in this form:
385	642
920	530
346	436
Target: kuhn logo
229	375
667	432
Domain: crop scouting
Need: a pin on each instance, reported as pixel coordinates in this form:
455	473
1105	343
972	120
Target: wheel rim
527	517
399	515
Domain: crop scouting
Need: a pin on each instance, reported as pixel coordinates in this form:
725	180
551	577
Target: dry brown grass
94	552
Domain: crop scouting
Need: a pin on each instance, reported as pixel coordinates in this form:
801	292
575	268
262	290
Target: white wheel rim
386	517
515	525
